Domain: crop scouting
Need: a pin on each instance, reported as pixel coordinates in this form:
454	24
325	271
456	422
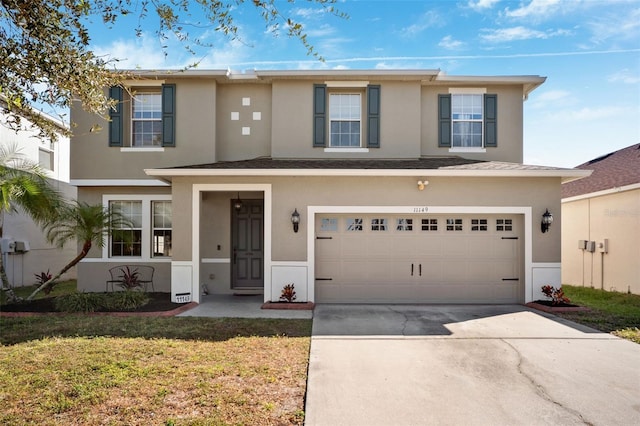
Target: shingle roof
613	170
383	164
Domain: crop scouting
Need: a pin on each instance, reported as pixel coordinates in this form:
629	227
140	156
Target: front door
247	240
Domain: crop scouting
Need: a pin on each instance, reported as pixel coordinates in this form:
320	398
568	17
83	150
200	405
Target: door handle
412	269
420	269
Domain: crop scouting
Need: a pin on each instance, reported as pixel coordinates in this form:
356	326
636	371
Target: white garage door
453	258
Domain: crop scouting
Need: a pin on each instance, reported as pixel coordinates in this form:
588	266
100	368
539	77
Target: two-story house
25	250
382	186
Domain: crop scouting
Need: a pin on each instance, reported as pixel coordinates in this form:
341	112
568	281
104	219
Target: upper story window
340	121
467	120
344	116
147	115
146	119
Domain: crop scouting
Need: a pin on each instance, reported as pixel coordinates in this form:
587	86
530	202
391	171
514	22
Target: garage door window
504	225
429	224
404	225
378	224
479	225
354	224
454	224
329	224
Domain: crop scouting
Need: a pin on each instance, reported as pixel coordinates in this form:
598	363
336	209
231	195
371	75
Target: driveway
471	365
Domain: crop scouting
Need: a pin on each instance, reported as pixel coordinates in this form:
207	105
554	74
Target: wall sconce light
295	219
422	184
547	220
237	204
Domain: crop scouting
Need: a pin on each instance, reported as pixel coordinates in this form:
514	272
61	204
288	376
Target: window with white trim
161	223
345	114
467	120
127	241
150	235
146	119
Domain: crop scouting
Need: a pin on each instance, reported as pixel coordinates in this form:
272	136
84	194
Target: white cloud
479	5
518	33
624	26
144	52
534	9
625	76
591	114
308	12
449	43
323	31
427	20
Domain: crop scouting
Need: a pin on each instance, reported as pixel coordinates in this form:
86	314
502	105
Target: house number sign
420	209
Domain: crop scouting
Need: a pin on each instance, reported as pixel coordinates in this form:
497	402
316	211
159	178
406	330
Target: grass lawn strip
221	378
611	312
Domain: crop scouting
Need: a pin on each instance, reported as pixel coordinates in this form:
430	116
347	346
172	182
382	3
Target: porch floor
230	306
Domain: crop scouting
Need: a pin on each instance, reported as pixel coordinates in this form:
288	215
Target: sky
589	51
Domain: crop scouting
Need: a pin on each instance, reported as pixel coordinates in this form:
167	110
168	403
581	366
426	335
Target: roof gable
613	170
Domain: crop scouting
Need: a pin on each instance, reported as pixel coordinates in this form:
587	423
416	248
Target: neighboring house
601	224
408	186
25	250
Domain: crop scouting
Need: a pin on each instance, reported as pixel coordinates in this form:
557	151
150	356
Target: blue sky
589	50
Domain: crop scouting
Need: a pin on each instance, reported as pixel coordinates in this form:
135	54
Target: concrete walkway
227	305
466	365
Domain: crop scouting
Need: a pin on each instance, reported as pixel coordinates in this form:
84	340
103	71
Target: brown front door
247	240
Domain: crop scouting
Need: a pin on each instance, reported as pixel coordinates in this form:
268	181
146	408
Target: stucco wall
615	217
195	138
510	124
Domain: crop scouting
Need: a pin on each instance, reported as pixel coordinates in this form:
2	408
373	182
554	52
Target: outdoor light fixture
295	219
237	203
422	184
547	220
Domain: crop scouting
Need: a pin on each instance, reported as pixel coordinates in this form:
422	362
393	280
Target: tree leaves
45	55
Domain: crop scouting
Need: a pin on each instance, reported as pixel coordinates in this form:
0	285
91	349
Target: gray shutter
169	115
444	121
491	121
319	115
115	117
373	116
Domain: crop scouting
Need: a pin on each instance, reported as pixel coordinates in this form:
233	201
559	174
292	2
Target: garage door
452	258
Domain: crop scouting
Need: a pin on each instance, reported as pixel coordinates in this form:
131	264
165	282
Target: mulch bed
294	306
158	302
548	306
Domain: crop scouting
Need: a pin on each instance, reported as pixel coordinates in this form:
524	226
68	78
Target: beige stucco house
601	224
408	186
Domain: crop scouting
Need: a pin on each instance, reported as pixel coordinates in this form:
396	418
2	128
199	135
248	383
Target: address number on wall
183	298
421	209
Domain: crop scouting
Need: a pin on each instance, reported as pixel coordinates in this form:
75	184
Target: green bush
125	300
92	302
79	302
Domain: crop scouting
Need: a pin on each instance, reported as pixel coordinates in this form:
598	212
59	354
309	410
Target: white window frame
134	99
332	119
154	227
147	232
468	91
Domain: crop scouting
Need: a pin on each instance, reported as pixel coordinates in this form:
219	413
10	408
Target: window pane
147	119
467	113
345	114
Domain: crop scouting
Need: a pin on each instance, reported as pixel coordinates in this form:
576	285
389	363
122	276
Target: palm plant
82	222
23	185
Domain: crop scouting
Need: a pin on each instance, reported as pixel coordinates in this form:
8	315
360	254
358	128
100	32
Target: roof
424	166
614	170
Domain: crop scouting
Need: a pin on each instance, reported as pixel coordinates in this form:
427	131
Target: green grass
63	287
611	312
78	369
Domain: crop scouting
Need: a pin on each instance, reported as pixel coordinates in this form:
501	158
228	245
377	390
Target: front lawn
78	369
611	312
63	287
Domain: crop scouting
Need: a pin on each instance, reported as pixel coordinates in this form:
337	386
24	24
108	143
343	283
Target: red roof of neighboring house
613	170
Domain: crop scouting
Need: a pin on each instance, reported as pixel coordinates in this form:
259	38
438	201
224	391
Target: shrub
288	293
79	302
95	302
555	294
130	278
124	300
42	278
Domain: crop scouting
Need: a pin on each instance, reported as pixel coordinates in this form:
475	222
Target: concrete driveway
466	365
